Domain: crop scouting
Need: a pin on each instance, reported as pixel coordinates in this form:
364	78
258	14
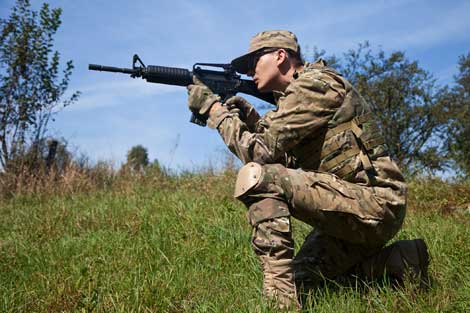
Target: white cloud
451	26
181	32
399	25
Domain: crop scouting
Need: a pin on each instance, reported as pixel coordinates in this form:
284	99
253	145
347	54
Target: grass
181	244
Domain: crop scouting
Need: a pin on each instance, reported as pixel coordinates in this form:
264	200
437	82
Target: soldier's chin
262	88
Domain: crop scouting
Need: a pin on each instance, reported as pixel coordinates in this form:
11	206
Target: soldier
318	157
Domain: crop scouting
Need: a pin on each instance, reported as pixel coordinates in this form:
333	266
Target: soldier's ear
281	56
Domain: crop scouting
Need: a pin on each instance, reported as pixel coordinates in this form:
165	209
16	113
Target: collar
320	63
277	95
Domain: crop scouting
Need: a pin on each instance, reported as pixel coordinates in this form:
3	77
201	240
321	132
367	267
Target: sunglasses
256	56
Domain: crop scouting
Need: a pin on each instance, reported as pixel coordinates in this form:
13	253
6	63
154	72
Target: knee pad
248	177
267	179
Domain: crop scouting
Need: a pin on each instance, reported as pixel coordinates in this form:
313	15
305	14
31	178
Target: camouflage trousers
351	224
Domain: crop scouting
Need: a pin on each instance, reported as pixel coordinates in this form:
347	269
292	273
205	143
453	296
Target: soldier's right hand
246	111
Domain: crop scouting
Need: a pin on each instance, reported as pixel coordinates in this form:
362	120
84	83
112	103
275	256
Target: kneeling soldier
318	157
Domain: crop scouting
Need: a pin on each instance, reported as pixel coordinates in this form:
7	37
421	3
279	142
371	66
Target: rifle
225	83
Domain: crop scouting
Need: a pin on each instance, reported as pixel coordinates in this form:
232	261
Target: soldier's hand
245	110
200	97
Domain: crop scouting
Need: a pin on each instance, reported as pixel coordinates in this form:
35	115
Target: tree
137	158
406	101
459	126
45	153
31	83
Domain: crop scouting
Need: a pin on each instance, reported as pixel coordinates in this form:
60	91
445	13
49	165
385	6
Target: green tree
137	158
31	82
408	104
47	152
459	126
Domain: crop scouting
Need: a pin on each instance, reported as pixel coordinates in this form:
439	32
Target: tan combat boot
278	283
273	243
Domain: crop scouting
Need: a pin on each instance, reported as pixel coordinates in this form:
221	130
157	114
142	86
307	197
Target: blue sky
116	112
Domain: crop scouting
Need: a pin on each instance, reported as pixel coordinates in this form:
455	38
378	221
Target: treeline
426	125
32	85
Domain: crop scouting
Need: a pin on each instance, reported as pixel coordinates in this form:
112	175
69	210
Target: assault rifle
226	83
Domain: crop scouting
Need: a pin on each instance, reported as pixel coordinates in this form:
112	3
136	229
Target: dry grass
98	239
440	197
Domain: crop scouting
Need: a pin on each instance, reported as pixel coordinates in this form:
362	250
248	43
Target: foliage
31	84
316	53
137	158
407	103
182	244
459	126
46	152
409	106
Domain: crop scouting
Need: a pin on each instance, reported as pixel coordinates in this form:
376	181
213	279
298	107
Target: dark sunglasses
256	56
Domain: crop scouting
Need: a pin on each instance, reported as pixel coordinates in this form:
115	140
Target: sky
116	112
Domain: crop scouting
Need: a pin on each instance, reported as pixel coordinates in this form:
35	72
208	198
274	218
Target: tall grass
120	241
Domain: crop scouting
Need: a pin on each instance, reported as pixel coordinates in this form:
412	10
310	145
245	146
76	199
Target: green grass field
181	244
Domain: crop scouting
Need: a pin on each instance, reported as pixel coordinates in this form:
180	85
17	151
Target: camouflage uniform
318	157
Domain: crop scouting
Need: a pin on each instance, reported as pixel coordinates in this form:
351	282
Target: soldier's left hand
201	98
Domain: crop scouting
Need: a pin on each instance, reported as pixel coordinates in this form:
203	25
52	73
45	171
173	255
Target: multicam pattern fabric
274	39
200	97
272	242
266	39
324	163
322	256
302	128
336	207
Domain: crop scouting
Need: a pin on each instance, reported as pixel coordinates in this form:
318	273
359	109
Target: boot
273	243
397	260
278	283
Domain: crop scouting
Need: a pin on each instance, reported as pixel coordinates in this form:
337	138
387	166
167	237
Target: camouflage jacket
321	123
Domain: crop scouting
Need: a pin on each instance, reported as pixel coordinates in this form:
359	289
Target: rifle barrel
96	67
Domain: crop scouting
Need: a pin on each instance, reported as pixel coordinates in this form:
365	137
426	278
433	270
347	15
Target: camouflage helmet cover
266	39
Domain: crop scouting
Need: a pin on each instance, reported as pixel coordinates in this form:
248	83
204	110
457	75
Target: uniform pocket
335	195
